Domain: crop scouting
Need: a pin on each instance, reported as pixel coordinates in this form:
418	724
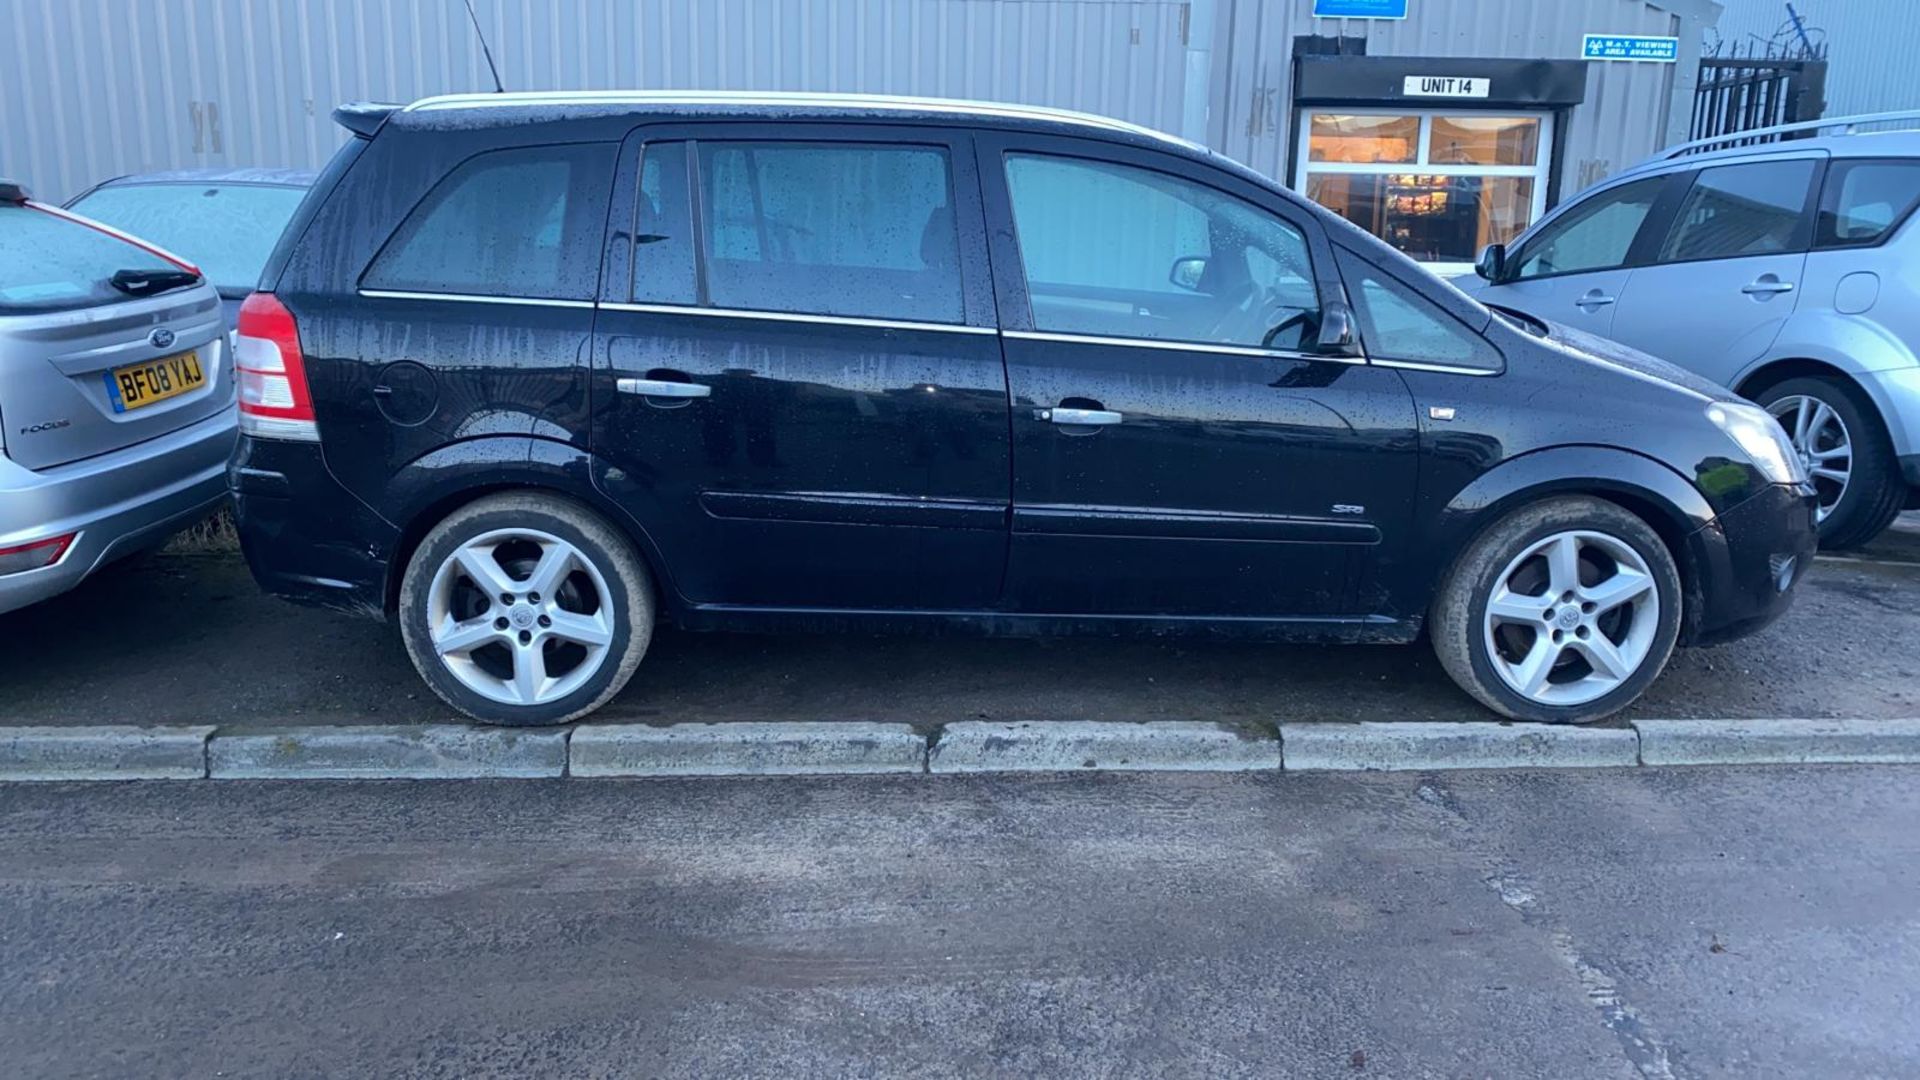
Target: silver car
1786	268
116	398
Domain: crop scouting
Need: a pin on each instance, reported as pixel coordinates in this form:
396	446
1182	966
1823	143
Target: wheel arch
1676	510
426	490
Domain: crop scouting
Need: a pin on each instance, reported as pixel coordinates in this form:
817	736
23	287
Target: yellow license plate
137	386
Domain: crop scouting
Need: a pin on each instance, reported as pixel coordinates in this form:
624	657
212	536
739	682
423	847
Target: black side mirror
1187	272
1337	336
1492	263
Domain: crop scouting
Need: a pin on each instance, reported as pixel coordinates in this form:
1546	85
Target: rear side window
1397	323
1596	235
1736	210
831	229
1864	200
663	262
48	263
526	222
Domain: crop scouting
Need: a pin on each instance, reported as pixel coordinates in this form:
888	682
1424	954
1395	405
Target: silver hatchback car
116	398
1781	263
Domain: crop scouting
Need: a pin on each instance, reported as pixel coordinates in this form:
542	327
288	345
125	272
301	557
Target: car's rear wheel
1562	612
525	608
1846	451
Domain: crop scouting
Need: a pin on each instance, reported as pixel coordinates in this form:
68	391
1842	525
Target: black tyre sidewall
462	527
1500	545
1875	491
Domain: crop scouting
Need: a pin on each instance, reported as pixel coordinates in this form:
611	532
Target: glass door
1437	185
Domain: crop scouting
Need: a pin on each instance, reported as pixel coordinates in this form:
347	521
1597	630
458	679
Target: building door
1438	185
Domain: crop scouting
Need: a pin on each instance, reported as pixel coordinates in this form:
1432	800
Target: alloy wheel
520	616
1571	618
1825	445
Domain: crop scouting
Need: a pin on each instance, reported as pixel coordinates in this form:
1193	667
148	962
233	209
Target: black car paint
921	488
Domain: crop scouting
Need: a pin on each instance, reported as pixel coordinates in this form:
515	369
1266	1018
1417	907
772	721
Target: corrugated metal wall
1872	46
96	88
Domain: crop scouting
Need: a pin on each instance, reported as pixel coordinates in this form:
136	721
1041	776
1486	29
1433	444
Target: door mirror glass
1188	272
1492	262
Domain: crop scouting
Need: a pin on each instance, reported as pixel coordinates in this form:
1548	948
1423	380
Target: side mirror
1188	271
1492	263
1337	336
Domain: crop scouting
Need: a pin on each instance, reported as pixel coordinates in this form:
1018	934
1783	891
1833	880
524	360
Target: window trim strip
473	298
797	317
1443	369
1175	346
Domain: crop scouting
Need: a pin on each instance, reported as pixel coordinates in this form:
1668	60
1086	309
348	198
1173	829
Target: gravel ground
187	638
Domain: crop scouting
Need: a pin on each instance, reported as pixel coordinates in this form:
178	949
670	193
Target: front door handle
663	388
1593	298
1080	417
1767	285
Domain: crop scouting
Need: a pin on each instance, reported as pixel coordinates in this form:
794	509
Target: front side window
1437	186
1118	251
1737	210
1864	200
526	222
1595	235
831	229
227	230
1397	323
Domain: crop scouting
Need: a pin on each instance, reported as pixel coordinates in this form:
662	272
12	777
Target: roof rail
1847	124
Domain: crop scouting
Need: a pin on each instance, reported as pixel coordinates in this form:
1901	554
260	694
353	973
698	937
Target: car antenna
485	51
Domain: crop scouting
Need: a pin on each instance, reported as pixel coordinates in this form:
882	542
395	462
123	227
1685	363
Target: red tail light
274	402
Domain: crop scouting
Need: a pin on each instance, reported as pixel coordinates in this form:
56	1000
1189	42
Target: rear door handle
1593	298
1080	417
1765	287
663	388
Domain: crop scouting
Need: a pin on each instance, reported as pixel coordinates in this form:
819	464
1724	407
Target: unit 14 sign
1445	86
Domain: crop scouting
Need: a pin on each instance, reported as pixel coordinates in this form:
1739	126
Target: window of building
1735	210
1596	234
1118	251
1439	186
831	229
1864	200
1397	323
526	222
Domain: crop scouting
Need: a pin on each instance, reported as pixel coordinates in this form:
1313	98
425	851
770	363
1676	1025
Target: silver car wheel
1571	618
1825	445
520	616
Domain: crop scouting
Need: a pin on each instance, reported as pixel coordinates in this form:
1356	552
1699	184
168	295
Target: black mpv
528	372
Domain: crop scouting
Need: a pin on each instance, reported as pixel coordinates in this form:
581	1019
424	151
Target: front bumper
306	537
117	503
1746	563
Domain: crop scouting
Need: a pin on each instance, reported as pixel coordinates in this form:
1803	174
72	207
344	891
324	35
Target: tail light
33	556
272	374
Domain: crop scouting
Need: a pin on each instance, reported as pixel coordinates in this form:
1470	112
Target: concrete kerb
455	751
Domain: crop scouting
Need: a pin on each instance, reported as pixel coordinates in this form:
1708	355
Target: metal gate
1742	93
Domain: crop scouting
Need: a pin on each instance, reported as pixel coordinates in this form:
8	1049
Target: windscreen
48	263
227	230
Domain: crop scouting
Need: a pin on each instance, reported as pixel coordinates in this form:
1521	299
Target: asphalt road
1647	923
189	639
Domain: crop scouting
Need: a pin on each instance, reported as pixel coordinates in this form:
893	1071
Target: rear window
226	229
48	263
512	223
1864	200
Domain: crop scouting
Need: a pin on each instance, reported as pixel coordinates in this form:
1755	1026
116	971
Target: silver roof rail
1849	125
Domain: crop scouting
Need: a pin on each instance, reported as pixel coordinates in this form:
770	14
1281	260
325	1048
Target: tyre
1845	447
525	608
1561	612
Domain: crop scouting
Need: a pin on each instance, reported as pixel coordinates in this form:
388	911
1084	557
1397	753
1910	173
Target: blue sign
1359	9
1659	50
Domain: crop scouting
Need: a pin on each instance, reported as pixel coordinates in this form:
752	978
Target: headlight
1760	436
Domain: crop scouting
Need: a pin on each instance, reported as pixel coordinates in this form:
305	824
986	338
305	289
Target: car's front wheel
1562	612
525	608
1834	427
